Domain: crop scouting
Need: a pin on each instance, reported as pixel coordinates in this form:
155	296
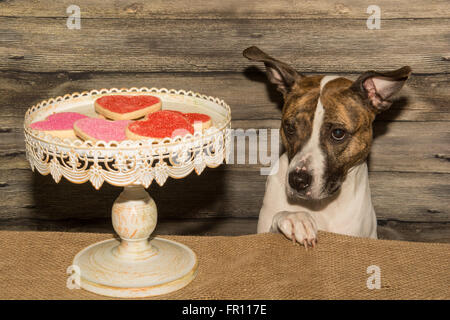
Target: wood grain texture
418	197
397	146
387	229
250	9
412	136
330	45
250	96
403	143
198	46
187	226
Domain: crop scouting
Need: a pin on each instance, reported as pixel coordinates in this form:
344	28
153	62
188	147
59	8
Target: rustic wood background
197	45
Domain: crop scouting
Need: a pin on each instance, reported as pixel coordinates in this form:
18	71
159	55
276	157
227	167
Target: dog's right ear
278	72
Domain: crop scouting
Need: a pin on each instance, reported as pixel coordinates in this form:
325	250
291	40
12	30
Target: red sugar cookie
59	124
159	125
127	107
95	129
174	111
203	120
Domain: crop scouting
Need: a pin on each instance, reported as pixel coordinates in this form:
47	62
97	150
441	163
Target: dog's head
326	123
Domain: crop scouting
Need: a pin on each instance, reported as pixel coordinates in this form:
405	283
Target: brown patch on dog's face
298	114
346	112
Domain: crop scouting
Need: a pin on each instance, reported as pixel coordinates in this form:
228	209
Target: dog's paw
298	226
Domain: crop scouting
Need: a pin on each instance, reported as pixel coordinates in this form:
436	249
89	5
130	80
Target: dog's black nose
299	180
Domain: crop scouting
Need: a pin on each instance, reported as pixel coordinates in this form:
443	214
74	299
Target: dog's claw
305	244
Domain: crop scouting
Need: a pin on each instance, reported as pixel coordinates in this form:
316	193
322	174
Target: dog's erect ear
378	87
278	72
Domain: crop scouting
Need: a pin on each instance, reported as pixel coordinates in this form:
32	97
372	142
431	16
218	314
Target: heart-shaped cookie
95	129
127	107
59	124
198	119
160	125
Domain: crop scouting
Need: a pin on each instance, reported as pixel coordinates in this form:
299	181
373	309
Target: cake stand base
169	267
137	265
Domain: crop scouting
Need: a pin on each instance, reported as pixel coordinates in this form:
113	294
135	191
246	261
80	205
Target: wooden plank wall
197	45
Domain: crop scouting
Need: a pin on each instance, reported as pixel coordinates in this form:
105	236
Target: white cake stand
136	265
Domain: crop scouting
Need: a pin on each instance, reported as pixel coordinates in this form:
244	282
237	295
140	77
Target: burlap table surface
262	266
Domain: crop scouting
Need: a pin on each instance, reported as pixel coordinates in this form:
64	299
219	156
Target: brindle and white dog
321	182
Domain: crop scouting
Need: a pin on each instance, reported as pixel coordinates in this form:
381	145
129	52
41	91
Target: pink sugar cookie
59	124
95	129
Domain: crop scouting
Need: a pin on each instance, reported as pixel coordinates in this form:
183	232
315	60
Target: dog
321	181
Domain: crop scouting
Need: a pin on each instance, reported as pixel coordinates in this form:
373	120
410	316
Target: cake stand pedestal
137	265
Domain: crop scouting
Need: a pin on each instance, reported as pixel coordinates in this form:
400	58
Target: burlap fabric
265	266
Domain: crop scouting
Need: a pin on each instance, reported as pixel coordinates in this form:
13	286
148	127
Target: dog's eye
338	134
290	128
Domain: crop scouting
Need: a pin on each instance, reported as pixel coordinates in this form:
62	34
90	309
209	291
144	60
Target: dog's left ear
378	87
